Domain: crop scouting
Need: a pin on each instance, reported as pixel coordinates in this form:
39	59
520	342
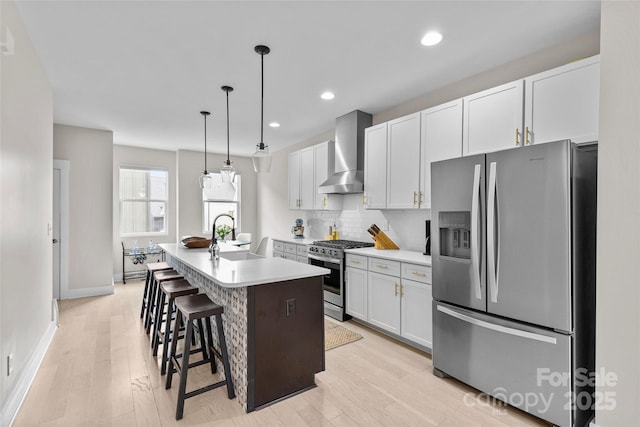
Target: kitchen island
273	318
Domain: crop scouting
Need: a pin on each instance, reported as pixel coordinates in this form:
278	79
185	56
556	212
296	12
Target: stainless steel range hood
349	148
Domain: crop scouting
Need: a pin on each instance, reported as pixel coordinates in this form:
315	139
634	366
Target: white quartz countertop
239	273
395	255
296	241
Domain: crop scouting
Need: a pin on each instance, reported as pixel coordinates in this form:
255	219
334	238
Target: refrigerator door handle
493	230
475	232
497	328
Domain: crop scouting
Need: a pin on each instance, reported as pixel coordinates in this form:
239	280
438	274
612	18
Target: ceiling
145	69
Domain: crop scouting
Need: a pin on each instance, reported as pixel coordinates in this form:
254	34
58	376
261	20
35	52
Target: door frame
64	166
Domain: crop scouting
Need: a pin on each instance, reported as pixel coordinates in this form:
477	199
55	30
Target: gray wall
618	267
90	153
25	210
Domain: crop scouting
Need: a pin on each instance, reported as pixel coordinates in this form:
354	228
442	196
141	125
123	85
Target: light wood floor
99	370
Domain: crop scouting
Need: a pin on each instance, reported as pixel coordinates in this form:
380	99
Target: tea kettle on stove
298	229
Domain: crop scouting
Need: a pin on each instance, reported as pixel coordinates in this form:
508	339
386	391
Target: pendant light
228	172
262	158
206	181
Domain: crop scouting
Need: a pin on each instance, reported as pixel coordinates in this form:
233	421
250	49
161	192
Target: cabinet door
403	162
563	103
416	312
324	161
384	301
441	140
307	187
375	166
356	293
294	180
493	119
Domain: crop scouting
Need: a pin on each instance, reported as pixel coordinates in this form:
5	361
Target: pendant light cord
262	101
205	144
228	162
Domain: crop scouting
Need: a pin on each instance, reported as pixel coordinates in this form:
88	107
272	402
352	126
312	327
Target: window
143	201
213	208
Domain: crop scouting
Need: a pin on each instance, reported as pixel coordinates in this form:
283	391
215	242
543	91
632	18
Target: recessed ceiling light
327	95
432	38
274	124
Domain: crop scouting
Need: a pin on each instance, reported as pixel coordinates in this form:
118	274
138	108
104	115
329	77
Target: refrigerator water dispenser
455	234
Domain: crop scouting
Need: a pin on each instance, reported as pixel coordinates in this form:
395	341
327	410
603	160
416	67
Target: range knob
322	251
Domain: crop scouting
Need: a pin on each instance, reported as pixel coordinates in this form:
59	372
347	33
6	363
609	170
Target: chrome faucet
214	249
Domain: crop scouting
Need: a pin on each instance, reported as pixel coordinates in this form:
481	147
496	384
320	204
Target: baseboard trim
23	384
89	292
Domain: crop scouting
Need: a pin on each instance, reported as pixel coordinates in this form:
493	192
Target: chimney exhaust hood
349	155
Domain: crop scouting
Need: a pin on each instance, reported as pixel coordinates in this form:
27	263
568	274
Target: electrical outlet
385	225
9	364
291	307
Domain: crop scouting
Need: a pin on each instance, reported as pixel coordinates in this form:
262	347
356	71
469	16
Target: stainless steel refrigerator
513	251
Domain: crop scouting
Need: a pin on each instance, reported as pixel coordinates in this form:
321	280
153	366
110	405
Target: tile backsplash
406	227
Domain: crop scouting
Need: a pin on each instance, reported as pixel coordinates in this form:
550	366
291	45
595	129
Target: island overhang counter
273	318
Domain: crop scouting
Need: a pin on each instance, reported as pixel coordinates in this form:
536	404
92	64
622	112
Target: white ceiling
145	69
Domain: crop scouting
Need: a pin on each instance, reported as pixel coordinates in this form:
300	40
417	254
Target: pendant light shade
228	172
206	181
262	158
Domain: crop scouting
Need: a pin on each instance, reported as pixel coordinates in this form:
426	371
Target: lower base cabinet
398	302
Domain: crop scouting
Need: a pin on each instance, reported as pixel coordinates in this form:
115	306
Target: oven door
333	282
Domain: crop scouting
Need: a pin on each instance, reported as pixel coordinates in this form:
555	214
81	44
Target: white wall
26	117
132	156
190	165
90	153
405	227
618	266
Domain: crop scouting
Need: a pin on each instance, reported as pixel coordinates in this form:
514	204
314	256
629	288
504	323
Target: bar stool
171	290
151	268
193	308
157	278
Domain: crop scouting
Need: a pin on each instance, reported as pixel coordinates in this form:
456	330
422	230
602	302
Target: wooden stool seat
196	308
152	313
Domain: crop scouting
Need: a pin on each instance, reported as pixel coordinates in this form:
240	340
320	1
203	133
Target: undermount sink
239	256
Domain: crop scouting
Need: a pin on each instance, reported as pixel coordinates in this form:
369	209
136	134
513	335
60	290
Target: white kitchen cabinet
441	131
324	167
383	301
403	162
301	179
356	286
375	167
493	119
415	305
291	251
563	103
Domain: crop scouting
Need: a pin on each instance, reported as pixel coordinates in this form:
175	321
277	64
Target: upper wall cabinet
324	167
308	168
403	162
441	140
493	119
375	167
301	188
563	103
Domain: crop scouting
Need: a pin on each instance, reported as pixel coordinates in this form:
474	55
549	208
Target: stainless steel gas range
330	254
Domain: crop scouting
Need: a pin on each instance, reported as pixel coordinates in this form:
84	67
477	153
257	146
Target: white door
56	233
493	119
403	162
60	229
307	186
375	166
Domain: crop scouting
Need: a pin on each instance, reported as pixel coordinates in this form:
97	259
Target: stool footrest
206	389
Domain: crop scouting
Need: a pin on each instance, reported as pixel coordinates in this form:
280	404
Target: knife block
382	241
